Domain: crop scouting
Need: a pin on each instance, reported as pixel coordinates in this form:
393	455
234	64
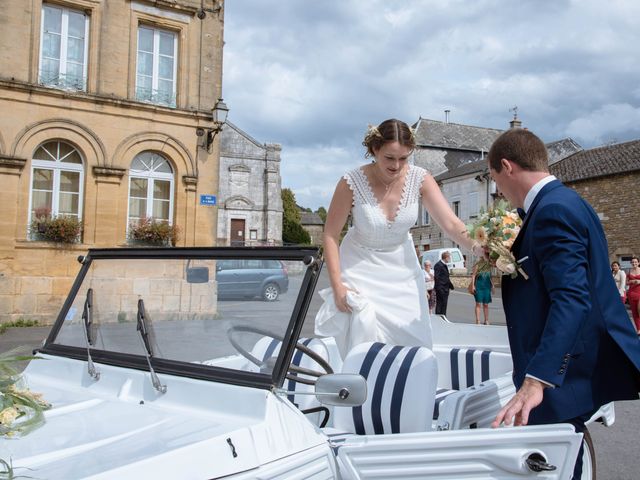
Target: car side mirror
197	274
341	389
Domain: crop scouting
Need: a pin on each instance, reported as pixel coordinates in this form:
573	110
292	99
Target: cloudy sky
311	74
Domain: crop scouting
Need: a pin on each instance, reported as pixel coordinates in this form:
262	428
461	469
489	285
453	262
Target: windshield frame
310	256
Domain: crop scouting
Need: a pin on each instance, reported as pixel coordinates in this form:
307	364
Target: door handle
537	463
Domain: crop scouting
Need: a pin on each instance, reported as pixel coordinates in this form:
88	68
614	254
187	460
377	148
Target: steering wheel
294	371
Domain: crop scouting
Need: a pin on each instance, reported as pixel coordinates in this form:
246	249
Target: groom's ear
506	166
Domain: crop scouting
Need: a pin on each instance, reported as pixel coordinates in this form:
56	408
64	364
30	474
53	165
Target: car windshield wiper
144	336
87	318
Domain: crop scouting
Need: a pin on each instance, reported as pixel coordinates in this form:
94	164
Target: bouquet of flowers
21	410
496	230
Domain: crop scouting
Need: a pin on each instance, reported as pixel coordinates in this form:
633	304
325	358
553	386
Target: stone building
107	116
459	152
313	224
608	178
250	201
455	155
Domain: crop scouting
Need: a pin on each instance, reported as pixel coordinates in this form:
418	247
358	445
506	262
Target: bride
377	286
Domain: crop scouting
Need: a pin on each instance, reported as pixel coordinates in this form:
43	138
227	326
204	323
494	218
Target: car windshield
213	314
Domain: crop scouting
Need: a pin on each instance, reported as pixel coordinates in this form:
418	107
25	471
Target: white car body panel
463	454
120	427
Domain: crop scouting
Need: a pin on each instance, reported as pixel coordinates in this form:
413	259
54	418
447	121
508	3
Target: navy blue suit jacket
566	323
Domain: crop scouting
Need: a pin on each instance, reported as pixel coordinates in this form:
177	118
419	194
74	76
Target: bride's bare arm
439	209
336	218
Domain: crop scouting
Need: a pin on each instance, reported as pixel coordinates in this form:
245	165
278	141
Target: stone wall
108	127
615	200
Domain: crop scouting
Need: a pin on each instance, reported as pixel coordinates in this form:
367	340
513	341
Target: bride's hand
340	297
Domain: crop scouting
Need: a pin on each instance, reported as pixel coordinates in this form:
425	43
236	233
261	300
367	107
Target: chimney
515	123
446	116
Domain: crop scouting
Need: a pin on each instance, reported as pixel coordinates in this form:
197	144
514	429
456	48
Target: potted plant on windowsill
149	231
58	229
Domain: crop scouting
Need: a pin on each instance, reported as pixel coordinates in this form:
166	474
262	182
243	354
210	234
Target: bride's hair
391	130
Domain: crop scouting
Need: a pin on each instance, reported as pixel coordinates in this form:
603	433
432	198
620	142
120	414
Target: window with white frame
63	47
473	204
425	217
156	66
57	174
150	188
455	206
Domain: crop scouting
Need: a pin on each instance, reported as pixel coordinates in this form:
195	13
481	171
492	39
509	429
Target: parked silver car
251	278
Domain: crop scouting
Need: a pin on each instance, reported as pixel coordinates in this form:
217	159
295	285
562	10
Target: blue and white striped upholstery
464	367
401	383
460	368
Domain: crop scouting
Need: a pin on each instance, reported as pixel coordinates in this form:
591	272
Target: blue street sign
207	199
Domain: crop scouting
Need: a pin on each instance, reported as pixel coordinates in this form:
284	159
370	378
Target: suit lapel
546	189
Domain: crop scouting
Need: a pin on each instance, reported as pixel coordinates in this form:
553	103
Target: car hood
119	427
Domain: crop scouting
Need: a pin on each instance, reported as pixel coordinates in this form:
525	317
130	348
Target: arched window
57	175
150	188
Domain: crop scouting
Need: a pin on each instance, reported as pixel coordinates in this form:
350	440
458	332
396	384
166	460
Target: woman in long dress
633	295
375	269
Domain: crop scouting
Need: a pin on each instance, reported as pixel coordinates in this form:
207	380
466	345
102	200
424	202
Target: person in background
633	280
573	348
430	283
481	287
443	283
621	280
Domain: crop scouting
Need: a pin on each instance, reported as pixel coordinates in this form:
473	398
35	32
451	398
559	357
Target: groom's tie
521	213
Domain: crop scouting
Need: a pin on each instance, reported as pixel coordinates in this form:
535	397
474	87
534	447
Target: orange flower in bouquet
496	230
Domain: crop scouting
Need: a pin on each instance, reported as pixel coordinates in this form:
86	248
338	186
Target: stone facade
250	198
607	177
615	200
313	224
102	116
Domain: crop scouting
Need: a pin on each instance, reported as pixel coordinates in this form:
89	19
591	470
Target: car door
227	276
482	453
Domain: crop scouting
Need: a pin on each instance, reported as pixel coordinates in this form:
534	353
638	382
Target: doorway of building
237	232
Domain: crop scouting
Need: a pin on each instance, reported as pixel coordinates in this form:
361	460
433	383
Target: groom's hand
518	408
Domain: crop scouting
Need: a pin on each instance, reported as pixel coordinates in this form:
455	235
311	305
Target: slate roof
432	133
467	169
558	150
599	162
562	149
310	218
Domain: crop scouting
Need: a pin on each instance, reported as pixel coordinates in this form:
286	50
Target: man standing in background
443	283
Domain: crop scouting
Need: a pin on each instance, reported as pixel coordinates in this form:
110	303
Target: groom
573	345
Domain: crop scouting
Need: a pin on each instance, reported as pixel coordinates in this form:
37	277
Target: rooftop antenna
515	112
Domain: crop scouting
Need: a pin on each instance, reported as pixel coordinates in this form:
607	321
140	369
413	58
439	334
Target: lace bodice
371	228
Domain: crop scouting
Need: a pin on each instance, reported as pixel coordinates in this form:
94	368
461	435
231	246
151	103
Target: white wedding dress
378	261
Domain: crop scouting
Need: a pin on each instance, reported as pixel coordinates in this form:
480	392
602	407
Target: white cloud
311	75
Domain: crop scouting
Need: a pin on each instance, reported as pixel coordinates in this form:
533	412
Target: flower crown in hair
372	132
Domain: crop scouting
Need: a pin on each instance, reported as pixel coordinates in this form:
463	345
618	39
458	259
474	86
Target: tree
323	213
290	208
292	231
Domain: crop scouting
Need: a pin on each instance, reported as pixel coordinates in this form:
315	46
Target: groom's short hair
521	147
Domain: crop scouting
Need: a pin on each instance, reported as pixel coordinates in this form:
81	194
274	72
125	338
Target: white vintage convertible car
152	376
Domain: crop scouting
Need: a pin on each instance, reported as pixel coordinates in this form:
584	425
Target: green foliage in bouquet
150	231
496	230
21	410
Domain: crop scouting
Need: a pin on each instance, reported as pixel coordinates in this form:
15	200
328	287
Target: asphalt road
616	446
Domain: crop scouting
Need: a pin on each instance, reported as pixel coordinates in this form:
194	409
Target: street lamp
219	117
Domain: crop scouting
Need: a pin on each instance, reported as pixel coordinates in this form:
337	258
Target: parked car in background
456	261
250	278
